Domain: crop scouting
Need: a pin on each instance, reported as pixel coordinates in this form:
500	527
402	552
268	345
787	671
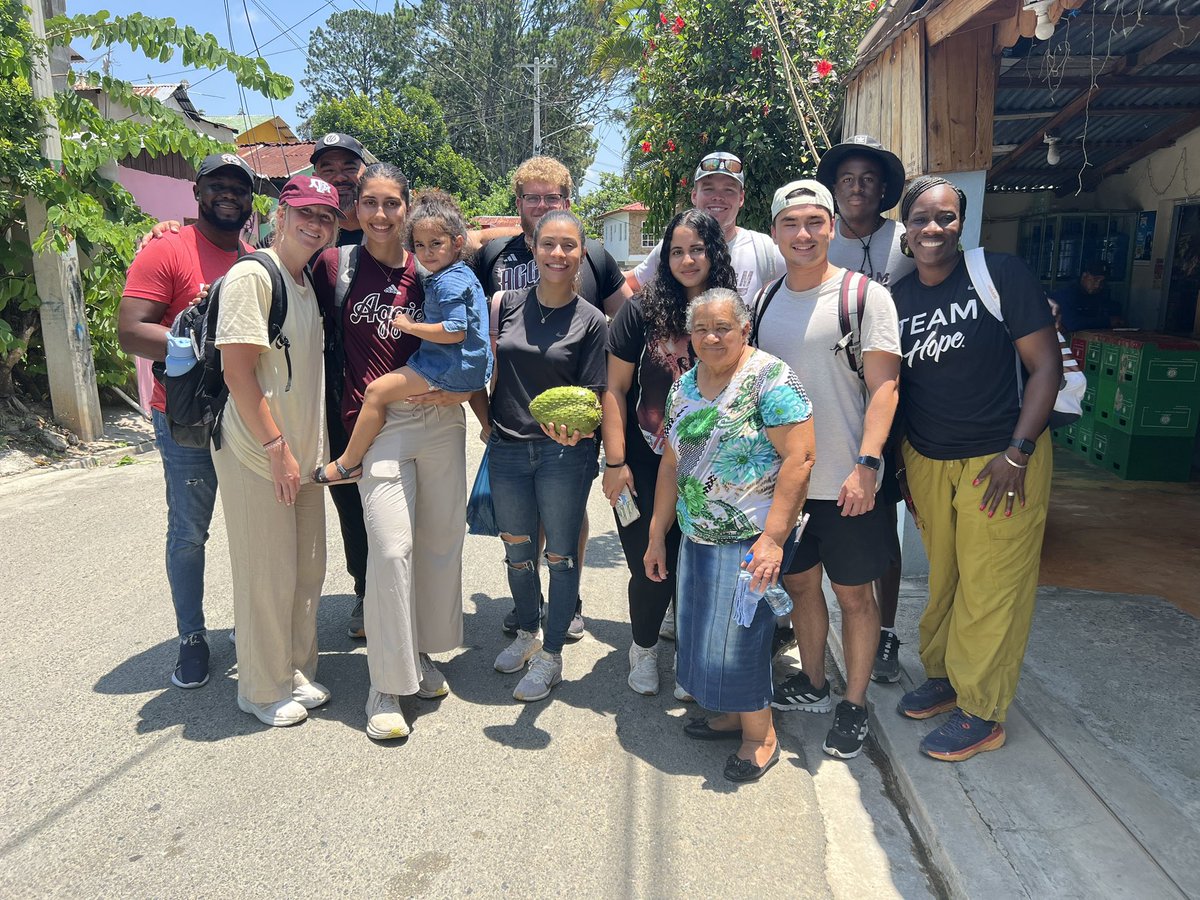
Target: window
652	233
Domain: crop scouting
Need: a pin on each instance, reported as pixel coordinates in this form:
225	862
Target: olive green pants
983	575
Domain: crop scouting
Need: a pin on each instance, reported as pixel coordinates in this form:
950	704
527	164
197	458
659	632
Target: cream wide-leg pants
414	497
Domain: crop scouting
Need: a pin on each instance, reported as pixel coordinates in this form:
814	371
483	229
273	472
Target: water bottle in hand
745	598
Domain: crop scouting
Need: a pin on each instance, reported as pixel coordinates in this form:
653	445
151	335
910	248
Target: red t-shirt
170	271
372	346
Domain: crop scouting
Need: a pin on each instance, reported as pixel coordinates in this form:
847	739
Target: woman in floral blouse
735	473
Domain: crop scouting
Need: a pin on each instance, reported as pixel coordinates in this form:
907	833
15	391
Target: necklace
542	314
865	267
389	272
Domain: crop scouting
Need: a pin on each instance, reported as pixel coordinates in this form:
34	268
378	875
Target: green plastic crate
1101	438
1142	458
1153	418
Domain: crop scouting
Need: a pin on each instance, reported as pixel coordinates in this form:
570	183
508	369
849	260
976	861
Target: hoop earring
904	248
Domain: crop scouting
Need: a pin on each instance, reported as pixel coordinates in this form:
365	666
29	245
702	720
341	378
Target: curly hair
542	168
664	300
437	208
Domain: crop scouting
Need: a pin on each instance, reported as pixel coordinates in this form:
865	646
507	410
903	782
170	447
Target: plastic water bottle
778	599
745	598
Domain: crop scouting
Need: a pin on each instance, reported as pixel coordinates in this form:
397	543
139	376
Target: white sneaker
545	671
643	669
279	714
683	696
433	683
385	719
513	657
309	694
667	629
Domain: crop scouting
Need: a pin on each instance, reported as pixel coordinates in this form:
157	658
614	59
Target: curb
95	461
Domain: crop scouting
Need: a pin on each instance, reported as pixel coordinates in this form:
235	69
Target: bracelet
609	465
1013	464
274	442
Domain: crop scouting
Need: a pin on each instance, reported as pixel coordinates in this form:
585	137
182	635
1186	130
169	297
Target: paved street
116	784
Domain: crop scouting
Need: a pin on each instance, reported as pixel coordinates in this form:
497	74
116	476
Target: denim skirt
725	666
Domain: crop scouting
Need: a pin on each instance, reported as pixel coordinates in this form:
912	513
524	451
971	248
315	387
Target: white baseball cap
805	192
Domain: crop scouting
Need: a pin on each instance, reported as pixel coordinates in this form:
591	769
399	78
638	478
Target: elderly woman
272	433
978	463
734	471
649	350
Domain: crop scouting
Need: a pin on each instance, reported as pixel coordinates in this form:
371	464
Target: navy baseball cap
337	141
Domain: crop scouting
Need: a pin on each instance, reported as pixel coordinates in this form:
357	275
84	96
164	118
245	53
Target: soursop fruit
576	407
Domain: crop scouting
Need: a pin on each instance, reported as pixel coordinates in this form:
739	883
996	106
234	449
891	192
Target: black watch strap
1025	445
871	462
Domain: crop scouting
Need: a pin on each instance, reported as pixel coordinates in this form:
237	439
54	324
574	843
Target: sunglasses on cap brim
720	164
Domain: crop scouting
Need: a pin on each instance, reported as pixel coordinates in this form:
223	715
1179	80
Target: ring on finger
1011	494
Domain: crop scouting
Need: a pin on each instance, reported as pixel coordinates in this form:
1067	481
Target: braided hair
664	300
923	183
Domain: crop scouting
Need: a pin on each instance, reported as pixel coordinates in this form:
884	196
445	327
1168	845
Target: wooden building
1069	122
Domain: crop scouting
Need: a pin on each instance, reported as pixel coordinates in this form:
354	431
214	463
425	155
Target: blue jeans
191	492
543	483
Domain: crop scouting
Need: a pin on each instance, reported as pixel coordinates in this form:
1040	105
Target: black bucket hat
864	145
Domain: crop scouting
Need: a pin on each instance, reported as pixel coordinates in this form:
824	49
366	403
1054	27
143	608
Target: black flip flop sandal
347	476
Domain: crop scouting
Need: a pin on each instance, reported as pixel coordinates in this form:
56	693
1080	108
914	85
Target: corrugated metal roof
1094	51
277	160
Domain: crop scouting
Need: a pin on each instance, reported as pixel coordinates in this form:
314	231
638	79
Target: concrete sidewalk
1097	791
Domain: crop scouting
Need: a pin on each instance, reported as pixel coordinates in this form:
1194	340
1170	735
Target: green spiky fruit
577	408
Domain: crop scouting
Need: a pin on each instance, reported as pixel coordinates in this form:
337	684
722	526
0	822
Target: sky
280	30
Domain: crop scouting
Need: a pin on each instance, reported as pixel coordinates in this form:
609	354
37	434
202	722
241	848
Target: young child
454	354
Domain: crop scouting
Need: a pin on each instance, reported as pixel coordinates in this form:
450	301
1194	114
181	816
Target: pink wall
159	196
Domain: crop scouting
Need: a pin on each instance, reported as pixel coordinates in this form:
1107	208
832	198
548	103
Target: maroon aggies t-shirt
372	346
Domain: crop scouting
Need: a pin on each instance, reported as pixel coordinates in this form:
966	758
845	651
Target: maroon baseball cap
308	190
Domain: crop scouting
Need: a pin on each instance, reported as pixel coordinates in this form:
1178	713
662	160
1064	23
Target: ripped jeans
191	493
534	483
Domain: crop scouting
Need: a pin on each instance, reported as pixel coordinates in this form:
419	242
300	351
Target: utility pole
536	67
73	393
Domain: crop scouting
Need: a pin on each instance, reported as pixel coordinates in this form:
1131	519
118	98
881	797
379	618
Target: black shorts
853	549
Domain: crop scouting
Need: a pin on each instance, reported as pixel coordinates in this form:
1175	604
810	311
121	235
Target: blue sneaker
937	695
962	736
191	667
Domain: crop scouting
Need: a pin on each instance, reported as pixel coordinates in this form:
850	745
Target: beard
224	223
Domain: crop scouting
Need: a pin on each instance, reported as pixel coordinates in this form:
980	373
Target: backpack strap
989	296
850	320
488	254
279	307
347	268
758	307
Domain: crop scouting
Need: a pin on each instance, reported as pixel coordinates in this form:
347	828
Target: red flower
670	146
683	182
662	17
678	26
653	46
823	68
871	6
646	147
766	108
756	53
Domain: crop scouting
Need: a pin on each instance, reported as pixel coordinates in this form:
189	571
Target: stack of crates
1145	404
1078	436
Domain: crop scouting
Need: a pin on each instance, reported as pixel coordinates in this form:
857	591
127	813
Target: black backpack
493	249
849	317
196	399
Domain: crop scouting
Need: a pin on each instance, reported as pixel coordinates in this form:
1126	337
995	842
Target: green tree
713	75
409	132
359	52
614	192
473	50
98	214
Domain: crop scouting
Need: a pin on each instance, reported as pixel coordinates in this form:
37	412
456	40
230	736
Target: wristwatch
1024	445
871	462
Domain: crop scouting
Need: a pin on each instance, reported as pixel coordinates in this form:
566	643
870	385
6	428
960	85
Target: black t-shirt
349	237
515	270
656	367
533	356
958	372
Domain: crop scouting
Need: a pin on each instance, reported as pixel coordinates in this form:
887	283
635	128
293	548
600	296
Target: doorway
1183	288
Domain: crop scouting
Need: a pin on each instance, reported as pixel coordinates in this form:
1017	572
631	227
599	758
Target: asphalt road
116	784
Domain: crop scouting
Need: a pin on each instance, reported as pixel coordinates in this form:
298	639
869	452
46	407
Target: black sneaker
509	626
887	659
191	666
783	641
845	738
797	692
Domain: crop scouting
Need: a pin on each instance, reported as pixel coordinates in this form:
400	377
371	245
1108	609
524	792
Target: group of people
768	400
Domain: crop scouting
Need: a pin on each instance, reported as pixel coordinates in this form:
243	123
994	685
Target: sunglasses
721	164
